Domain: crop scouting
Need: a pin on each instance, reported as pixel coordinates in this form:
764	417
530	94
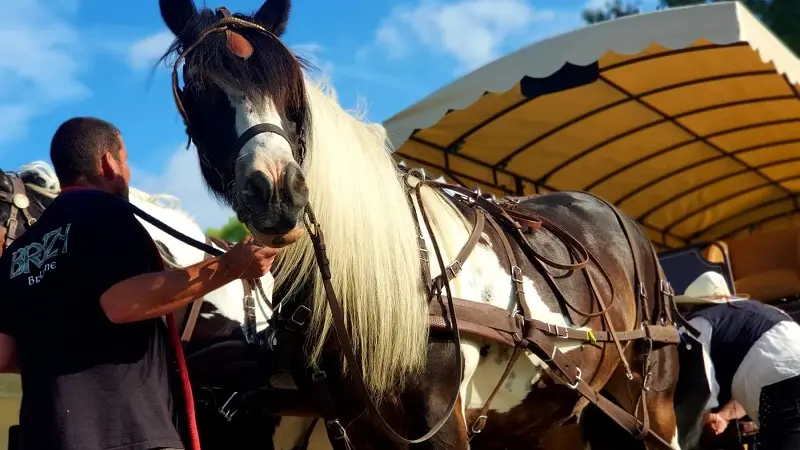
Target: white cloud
145	52
42	58
181	177
312	52
472	32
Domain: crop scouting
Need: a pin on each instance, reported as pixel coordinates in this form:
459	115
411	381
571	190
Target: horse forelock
371	243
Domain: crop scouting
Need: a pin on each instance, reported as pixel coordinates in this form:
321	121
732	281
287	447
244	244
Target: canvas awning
688	119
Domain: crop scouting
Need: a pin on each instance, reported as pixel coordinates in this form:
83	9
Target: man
81	296
752	358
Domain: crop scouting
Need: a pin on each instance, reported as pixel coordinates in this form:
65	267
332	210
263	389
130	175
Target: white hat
709	287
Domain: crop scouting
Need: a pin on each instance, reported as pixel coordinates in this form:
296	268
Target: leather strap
197	305
455	267
480	422
498	319
345	344
306	439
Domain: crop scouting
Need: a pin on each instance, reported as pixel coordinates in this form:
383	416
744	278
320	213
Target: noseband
19	203
227	22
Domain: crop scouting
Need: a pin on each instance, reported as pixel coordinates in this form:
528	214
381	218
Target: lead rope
186	385
183	371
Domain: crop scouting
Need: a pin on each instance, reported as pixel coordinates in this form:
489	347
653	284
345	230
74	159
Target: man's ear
109	166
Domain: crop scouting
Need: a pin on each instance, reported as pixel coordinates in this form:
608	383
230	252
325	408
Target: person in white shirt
752	358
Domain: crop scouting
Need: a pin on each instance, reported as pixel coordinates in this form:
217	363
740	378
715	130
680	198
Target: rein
346	346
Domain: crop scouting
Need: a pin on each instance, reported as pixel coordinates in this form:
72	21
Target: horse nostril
259	186
295	185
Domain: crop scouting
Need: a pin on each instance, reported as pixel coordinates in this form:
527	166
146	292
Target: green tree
233	231
613	9
780	16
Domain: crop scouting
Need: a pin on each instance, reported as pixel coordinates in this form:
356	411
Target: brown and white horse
272	141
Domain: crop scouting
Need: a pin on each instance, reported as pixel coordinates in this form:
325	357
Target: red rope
194	436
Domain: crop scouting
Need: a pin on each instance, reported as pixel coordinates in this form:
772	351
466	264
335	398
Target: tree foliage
613	9
780	16
233	231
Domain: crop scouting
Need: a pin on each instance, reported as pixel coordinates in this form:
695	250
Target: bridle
228	23
19	203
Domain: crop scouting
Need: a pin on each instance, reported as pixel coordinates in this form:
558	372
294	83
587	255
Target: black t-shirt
88	383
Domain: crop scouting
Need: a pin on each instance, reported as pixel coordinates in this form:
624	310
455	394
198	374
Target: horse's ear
177	14
274	15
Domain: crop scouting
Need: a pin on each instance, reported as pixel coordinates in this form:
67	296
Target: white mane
371	242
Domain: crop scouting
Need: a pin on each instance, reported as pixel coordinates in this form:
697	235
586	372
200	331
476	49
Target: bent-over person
82	294
752	358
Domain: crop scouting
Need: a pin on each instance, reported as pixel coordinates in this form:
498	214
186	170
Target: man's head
87	151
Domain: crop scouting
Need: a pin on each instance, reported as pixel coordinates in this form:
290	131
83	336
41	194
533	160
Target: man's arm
155	294
8	354
704	328
732	410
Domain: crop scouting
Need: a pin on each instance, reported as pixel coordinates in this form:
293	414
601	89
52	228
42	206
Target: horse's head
245	107
19	206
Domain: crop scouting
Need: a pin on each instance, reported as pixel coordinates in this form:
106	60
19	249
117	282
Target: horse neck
371	244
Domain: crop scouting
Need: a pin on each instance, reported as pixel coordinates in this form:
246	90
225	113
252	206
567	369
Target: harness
520	330
19	202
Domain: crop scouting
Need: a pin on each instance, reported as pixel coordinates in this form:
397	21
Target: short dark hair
77	146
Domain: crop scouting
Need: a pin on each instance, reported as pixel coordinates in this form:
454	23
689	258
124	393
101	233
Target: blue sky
65	58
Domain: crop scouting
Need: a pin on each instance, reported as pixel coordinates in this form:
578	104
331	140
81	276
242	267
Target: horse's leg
434	395
603	434
292	430
660	405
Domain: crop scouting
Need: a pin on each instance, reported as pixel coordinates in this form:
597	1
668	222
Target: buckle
574	385
516	274
479	424
455	268
642	290
336	429
226	411
300	315
554	330
666	288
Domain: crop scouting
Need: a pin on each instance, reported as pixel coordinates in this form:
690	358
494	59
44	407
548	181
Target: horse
275	145
221	315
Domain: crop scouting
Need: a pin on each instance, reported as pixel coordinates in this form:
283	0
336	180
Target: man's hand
248	260
716	421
